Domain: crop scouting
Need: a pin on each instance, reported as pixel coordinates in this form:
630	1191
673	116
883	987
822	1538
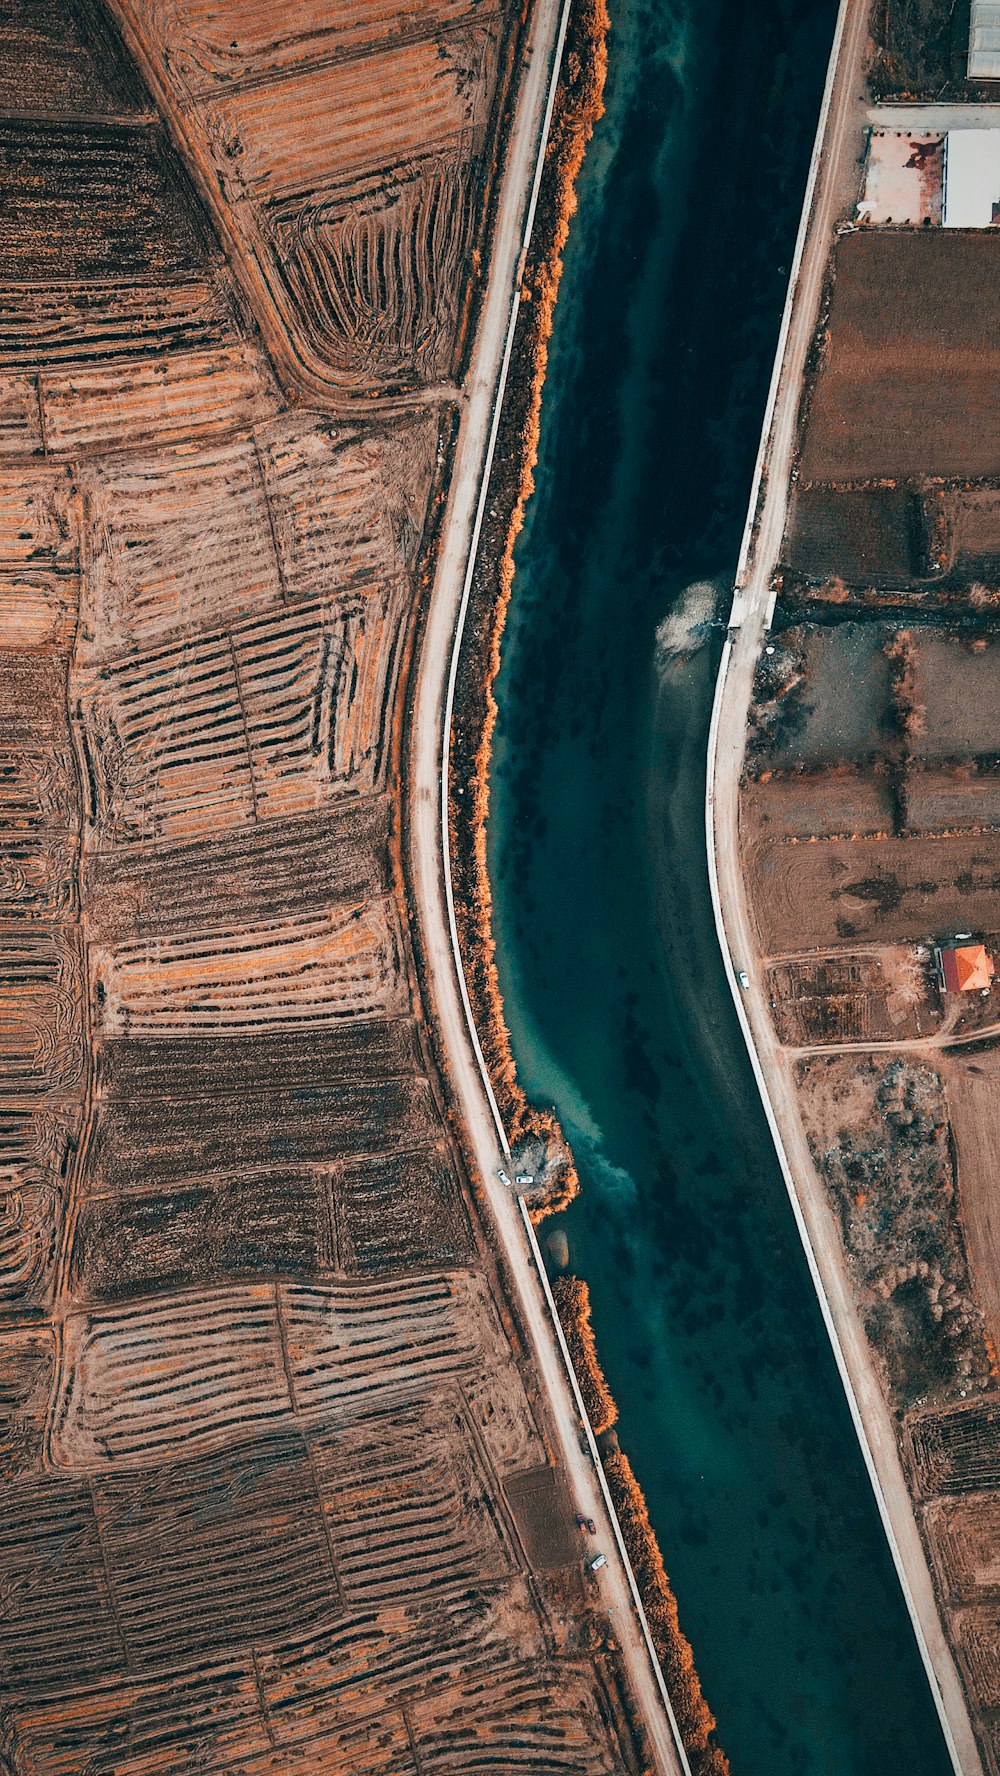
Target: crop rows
379	284
173	1375
280	868
340	963
263	718
353	158
259	1399
244	43
315	1704
957	1451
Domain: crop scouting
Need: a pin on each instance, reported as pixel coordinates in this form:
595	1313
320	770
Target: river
731	1408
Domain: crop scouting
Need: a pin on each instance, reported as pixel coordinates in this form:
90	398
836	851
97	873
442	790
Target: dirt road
426	818
837	144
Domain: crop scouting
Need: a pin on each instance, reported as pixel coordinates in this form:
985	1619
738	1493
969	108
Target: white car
743	978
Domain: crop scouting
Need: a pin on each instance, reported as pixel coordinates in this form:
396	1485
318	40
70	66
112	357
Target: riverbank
841	127
731	1411
579	105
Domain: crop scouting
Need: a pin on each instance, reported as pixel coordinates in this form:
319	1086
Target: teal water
731	1408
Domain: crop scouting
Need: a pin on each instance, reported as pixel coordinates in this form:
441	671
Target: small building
984	40
966	968
971	178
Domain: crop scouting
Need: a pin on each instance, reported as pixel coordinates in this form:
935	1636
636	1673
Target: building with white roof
971	177
984	40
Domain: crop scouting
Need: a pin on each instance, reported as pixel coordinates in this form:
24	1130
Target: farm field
349	157
914	317
280	1477
872	889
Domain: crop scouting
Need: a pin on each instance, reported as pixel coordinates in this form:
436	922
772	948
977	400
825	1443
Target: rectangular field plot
179	542
964	1535
285	975
159	1143
853	998
886	890
905	386
979	1653
218	44
958	687
39	826
824	695
94	201
20	415
866	536
825	803
66	60
160	399
171	1723
210	1554
338	123
398	1212
348	509
409	1508
179	1375
184	1374
974	1111
27	1366
959	1450
280	869
545	1720
56	326
41	1031
38	609
274	1222
58	1616
938	800
350	1346
269	718
37	528
226	1067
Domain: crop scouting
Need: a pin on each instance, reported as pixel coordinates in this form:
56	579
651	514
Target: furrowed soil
281	1490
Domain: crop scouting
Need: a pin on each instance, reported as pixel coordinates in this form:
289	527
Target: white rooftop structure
972	176
984	40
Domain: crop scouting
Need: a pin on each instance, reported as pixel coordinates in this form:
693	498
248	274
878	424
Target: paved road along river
730	1404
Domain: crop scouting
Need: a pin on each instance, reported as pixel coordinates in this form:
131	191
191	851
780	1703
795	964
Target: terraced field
280	1492
349	154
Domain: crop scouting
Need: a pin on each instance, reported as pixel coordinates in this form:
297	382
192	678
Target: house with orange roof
965	968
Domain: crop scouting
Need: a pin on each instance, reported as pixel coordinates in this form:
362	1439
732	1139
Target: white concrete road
427	841
832	172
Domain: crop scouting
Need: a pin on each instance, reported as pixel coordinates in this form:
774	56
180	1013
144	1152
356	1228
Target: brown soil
879	1129
887	890
973	1087
261	1389
909	361
888	994
863	536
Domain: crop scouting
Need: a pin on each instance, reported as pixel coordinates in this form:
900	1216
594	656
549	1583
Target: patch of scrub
837	697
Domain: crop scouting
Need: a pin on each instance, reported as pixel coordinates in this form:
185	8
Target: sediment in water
579	105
